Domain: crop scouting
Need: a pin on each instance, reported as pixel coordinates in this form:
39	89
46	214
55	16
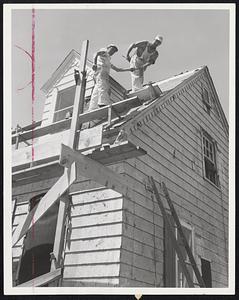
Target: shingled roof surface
164	86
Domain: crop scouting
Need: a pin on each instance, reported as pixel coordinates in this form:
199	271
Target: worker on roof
144	56
101	66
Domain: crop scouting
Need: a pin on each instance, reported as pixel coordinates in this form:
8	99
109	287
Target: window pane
65	98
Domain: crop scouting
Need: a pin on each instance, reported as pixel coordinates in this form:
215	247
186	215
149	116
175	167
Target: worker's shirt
143	52
103	60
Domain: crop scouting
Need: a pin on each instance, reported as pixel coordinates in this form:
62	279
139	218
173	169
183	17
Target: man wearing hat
101	66
144	56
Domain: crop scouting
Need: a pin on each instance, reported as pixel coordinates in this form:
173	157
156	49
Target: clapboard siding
96	282
173	143
179	175
194	201
94	240
91	271
92	257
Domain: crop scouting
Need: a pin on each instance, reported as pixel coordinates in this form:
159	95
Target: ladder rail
184	240
172	235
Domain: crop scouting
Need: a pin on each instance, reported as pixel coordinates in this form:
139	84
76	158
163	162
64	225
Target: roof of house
166	92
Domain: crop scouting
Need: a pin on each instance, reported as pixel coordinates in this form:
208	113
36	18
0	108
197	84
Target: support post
79	97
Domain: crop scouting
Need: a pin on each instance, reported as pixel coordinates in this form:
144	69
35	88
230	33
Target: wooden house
112	231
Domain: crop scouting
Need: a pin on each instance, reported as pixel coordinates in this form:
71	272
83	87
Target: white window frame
207	102
213	160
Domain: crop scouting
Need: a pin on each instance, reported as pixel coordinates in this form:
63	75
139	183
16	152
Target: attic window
64	103
206	100
209	157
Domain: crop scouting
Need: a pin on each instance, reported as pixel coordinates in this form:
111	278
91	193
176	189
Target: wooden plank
108	256
145	94
37	173
79	97
97	219
48	129
47	201
102	230
118	107
172	236
105	243
60	229
91	271
94	195
97	207
43	279
96	282
189	252
94	170
90	138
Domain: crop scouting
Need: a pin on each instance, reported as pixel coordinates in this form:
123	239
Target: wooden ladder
182	235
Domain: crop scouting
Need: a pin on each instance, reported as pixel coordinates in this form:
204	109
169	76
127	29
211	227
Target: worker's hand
94	67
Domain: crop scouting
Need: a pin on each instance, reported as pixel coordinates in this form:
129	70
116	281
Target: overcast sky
192	38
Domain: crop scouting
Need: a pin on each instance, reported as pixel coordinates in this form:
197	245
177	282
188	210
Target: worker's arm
121	69
135	45
151	61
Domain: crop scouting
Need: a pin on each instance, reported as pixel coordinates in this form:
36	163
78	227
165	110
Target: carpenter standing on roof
101	65
144	56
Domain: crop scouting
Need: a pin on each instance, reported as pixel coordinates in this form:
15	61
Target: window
64	103
209	157
206	272
206	99
38	243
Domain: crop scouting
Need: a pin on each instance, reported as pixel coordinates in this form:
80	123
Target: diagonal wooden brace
58	189
94	170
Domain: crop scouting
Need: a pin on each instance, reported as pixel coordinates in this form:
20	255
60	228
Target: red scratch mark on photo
33	115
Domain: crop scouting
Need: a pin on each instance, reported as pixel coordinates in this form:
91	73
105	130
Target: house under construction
131	194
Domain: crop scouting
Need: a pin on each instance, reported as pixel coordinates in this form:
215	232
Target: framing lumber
60	229
189	252
117	108
172	234
43	279
79	97
93	170
58	189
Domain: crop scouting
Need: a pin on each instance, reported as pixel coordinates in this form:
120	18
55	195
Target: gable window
64	104
206	99
209	159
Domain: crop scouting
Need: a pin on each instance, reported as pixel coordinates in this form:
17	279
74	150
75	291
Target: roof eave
157	106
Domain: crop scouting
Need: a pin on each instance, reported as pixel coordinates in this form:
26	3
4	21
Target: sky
191	38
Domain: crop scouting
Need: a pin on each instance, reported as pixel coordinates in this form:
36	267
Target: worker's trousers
137	77
101	92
